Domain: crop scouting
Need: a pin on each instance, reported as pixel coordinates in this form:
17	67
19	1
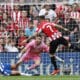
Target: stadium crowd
19	22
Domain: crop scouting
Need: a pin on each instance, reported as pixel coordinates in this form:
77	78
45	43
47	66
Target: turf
40	78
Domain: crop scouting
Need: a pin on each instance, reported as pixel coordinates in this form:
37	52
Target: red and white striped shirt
49	29
24	22
16	16
75	15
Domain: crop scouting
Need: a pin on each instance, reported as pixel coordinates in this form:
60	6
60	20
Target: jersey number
50	28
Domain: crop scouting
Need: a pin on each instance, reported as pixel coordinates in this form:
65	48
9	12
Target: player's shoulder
43	44
32	41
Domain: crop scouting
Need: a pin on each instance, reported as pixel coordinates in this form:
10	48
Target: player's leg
24	58
36	62
15	73
53	47
59	59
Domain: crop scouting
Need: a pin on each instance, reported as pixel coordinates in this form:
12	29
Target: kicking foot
55	72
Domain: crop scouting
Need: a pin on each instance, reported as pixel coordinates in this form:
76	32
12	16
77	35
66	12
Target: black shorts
54	44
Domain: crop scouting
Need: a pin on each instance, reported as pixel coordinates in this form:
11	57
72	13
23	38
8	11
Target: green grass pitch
40	78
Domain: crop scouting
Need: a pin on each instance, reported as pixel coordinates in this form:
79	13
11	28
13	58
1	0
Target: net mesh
13	26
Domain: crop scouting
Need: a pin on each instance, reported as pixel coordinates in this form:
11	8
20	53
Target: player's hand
66	29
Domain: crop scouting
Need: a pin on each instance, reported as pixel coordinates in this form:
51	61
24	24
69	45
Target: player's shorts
29	56
54	44
5	69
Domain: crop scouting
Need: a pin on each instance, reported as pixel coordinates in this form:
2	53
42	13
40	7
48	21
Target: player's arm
22	51
28	46
61	27
31	37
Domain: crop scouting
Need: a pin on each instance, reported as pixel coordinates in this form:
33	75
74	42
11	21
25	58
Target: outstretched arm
22	51
30	37
60	27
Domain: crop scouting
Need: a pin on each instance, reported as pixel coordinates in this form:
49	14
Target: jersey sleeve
38	29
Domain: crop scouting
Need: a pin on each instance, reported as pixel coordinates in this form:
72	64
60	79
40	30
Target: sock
59	59
32	67
53	61
74	47
23	74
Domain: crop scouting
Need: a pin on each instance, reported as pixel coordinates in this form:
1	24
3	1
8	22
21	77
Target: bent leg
36	63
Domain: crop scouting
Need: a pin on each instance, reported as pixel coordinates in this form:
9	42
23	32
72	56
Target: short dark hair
42	17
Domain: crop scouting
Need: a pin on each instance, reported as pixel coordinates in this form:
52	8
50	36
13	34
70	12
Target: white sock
59	59
23	74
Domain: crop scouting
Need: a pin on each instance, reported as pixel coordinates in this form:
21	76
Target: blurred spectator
30	29
10	47
1	12
67	8
75	14
70	24
24	21
5	18
1	45
33	12
3	31
35	22
25	8
16	14
7	8
79	9
48	12
59	11
12	27
7	43
19	1
21	38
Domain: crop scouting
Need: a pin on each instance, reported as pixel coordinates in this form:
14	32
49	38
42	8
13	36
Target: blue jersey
5	69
